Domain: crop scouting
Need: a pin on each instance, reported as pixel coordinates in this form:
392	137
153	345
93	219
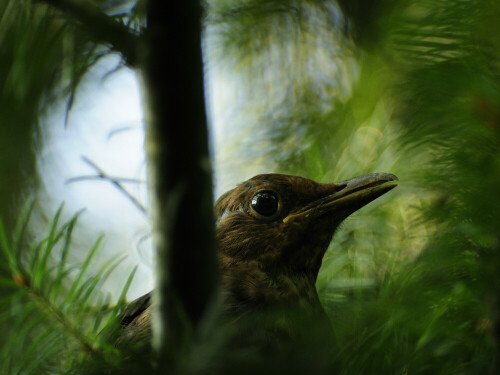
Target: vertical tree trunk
177	148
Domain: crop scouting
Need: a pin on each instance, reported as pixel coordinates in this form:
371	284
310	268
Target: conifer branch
55	313
101	27
117	182
49	308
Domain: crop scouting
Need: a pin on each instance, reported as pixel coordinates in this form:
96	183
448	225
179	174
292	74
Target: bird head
272	232
274	229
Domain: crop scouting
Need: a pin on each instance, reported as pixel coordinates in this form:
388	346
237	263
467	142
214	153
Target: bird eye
265	203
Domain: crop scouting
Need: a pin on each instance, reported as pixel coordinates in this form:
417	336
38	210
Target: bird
272	232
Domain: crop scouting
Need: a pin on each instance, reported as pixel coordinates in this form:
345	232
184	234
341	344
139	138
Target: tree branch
177	150
117	182
101	27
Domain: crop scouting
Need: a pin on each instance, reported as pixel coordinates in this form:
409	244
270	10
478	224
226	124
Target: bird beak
349	196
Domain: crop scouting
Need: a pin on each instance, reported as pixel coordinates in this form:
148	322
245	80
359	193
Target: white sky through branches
105	126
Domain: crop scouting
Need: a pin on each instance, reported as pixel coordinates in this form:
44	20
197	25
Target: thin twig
114	132
140	249
99	177
116	182
101	27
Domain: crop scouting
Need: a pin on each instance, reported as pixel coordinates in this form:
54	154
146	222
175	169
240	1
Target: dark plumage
273	231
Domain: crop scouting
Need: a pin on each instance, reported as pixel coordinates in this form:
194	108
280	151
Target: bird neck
249	286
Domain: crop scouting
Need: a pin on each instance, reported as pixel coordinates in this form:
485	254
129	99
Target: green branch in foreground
101	27
56	301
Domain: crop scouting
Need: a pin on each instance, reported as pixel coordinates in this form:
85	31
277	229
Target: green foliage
410	281
29	47
42	56
53	315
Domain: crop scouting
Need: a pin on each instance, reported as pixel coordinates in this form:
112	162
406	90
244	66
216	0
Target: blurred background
327	90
